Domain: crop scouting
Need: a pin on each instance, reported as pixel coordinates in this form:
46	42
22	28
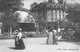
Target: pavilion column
58	15
54	17
49	16
62	15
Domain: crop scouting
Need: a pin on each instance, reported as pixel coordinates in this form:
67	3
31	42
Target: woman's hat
20	29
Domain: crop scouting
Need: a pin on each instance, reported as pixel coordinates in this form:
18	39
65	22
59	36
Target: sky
27	4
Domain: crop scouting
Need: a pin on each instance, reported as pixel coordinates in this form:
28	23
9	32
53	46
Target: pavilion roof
48	6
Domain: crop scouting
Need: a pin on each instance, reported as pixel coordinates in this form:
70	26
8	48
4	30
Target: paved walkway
39	45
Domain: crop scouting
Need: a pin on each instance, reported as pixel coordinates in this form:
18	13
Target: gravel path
39	45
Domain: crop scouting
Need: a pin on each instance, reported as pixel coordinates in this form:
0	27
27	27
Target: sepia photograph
39	25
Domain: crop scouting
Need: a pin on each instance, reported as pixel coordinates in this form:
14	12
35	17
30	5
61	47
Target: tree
33	5
40	10
10	21
73	13
8	8
10	5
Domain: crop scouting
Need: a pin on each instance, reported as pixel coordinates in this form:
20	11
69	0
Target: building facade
56	11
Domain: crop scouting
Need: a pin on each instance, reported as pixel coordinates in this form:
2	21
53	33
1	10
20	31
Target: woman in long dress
54	37
50	37
19	44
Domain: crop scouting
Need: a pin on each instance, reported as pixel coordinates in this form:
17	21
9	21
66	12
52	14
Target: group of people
19	44
51	40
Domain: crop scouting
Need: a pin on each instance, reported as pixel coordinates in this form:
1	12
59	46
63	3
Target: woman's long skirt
50	40
19	44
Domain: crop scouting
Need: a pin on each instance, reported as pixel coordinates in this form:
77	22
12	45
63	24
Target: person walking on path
54	37
49	36
19	44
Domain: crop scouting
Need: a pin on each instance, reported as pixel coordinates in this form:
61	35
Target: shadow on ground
68	41
15	48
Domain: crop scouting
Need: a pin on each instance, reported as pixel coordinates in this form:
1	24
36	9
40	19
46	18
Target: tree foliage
10	5
8	9
73	13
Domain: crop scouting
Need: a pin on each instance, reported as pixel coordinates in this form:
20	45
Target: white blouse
19	35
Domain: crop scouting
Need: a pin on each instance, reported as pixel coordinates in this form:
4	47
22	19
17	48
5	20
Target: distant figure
19	44
50	37
54	37
16	39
